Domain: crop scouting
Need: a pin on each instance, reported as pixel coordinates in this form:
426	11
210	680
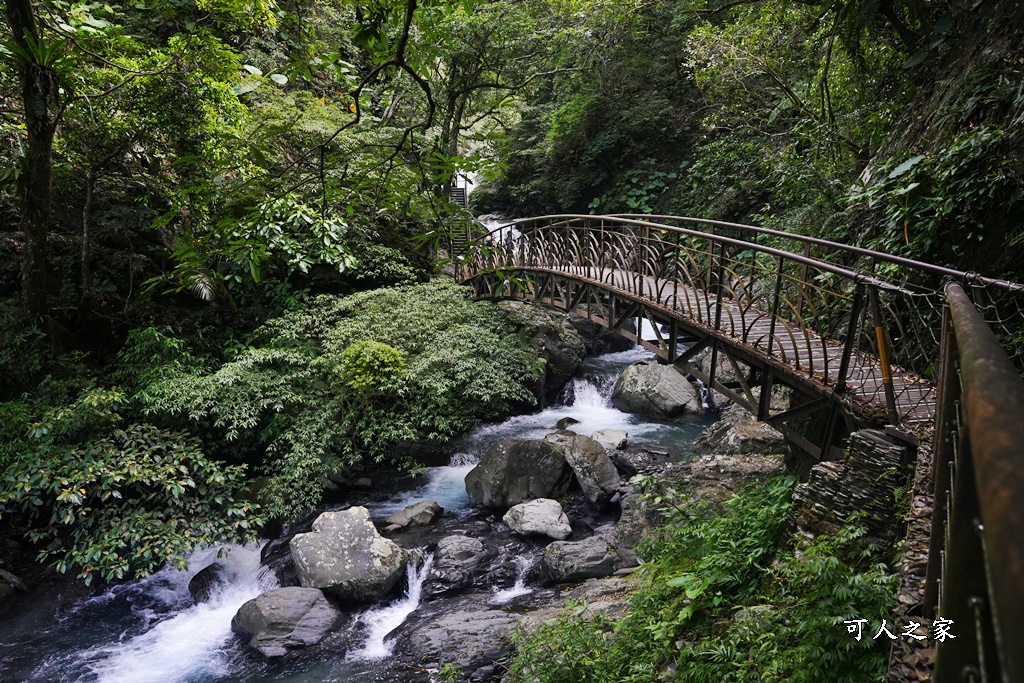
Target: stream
150	630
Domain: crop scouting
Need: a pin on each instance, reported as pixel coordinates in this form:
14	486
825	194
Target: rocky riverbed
528	512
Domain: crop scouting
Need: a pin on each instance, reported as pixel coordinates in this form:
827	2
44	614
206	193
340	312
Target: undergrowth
721	601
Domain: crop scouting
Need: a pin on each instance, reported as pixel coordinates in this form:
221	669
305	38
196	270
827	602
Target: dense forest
222	223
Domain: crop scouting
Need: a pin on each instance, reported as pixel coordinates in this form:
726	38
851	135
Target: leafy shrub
367	364
719	601
343	379
113	501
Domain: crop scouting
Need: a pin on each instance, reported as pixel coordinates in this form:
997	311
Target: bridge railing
976	560
816	318
914	340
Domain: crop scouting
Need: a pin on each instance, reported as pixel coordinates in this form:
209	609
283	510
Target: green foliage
720	601
938	205
367	364
115	501
637	191
346	378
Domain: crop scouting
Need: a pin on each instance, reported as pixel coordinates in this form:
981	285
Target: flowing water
151	631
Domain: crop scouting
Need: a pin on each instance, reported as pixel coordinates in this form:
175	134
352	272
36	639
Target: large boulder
472	636
206	581
597	338
655	390
611	439
542	516
737	431
577	560
634	524
549	333
346	557
593	468
285	619
418	514
457	562
516	470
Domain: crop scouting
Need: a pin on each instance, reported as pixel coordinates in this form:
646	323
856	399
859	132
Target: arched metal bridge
867	338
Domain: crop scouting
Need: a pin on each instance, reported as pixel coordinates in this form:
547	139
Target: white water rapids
381	621
151	631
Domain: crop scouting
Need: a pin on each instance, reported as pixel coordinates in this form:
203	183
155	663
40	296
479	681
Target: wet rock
566	422
634	523
8	597
611	439
516	470
346	557
593	468
655	390
597	338
205	580
473	636
285	619
548	331
421	513
458	560
737	431
542	516
576	560
277	557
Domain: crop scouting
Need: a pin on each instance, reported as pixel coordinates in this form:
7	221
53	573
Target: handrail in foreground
976	558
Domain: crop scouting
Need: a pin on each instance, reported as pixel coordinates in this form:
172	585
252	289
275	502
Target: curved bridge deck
845	326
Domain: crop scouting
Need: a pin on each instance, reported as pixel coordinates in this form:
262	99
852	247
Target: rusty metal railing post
982	584
852	332
675	278
883	356
776	299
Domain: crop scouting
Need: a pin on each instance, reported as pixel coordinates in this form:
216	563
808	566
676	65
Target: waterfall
523	564
189	643
705	395
381	621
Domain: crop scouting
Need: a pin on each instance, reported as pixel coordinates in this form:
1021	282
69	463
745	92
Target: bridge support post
883	357
851	335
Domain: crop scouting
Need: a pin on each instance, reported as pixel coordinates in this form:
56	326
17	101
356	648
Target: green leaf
905	166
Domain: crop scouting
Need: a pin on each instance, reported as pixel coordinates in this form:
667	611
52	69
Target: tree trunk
38	86
86	300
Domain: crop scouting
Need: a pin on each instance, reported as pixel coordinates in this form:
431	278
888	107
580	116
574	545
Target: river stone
566	561
549	333
542	516
597	338
593	468
566	422
472	637
655	390
285	619
346	557
418	514
737	431
457	561
516	470
611	439
205	580
633	525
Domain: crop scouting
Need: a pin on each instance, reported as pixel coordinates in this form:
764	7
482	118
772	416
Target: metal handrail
854	276
923	266
976	558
